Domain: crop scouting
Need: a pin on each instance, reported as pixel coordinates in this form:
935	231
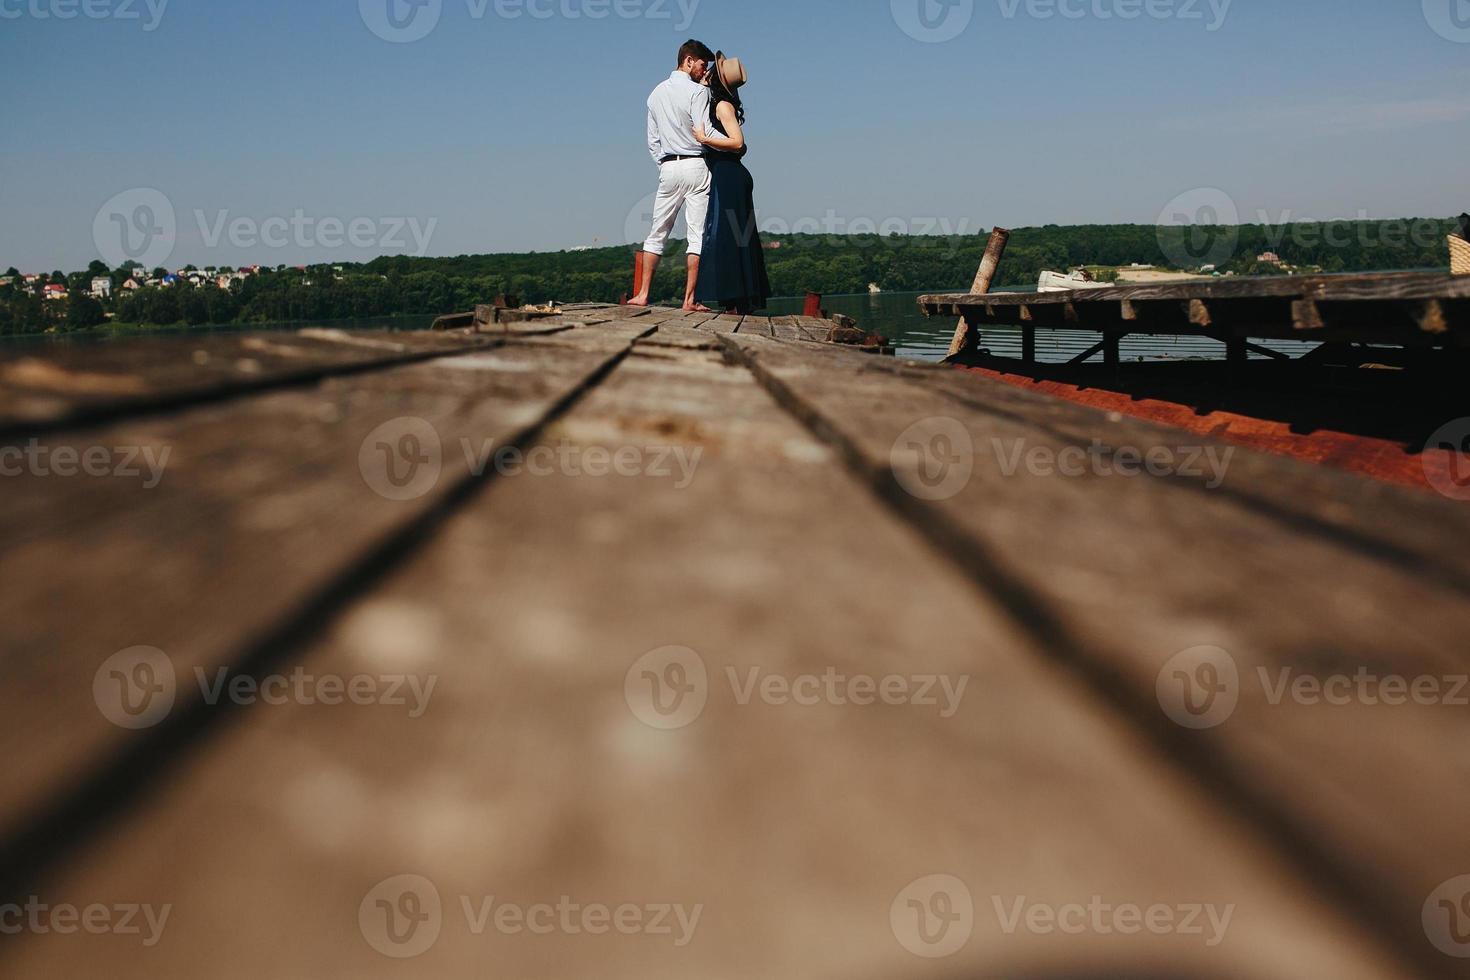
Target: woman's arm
735	142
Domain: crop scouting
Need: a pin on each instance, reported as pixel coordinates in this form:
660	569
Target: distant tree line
824	263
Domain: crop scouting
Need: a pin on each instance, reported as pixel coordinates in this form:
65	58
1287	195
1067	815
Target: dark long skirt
732	270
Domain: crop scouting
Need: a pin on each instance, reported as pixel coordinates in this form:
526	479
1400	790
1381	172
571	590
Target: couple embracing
696	136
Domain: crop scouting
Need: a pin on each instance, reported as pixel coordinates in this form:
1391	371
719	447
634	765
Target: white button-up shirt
673	110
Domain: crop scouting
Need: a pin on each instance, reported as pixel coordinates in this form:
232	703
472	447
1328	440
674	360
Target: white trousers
681	184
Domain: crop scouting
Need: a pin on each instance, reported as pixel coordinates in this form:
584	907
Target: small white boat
1058	282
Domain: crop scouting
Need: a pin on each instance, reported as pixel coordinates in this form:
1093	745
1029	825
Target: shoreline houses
103	287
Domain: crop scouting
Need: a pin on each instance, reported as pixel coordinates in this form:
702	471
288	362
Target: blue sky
518	124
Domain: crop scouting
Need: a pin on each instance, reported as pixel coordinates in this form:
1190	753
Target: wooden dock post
1237	355
813	306
965	337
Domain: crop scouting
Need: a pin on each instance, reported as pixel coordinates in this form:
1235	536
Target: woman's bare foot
635	301
697	308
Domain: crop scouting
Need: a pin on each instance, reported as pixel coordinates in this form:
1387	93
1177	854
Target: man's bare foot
696	308
635	301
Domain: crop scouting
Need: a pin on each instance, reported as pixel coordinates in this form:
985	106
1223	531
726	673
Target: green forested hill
823	263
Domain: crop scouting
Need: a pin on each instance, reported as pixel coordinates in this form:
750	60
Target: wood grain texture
264	504
795	828
1119	574
51	385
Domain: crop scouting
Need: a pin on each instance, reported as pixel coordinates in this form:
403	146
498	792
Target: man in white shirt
674	109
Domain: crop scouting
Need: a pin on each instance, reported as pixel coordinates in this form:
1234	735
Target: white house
101	287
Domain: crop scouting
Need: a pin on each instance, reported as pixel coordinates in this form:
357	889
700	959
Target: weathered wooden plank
815	329
1415	309
1414	530
681	335
1121	574
262	506
785	328
53	385
1380	286
726	322
758	326
700	320
530	775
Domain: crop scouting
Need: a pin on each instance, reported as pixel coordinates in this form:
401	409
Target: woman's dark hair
720	92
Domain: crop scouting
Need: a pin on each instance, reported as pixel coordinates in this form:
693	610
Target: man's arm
655	145
699	107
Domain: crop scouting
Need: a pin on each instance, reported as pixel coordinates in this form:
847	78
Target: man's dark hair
695	49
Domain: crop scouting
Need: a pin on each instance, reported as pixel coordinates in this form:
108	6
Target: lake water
894	315
105	334
897	317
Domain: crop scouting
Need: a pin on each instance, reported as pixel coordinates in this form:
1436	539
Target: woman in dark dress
732	270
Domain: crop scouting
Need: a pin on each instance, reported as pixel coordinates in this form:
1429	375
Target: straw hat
1459	256
732	71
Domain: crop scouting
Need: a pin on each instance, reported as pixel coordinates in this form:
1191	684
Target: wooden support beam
1305	315
1275	355
965	337
1111	353
1091	352
1028	345
1237	355
1430	317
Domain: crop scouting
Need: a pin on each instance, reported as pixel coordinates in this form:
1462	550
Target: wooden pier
1403	309
1381	374
618	655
